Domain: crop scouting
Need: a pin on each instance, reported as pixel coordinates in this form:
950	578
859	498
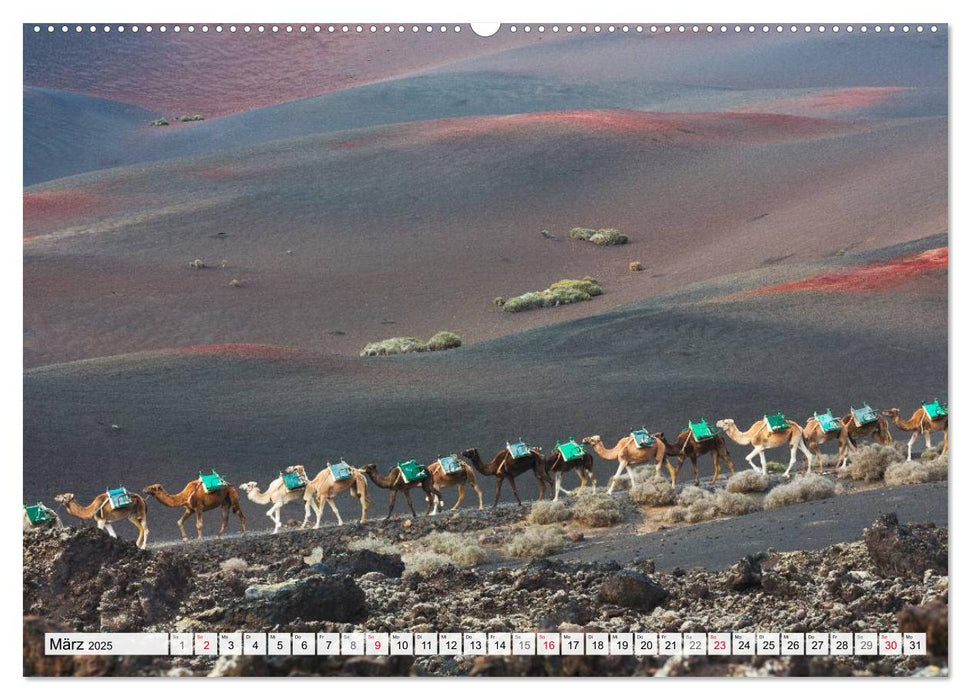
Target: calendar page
516	349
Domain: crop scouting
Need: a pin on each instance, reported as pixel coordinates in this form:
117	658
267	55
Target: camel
763	438
194	499
503	466
558	466
278	495
919	424
396	482
628	453
687	447
103	513
441	478
814	436
51	522
323	488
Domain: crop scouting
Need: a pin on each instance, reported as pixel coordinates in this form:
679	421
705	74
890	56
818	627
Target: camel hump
935	410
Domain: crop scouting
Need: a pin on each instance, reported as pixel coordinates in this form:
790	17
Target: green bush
394	346
444	340
162	121
603	236
191	118
559	293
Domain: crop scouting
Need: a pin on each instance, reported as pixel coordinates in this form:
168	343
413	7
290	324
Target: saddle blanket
642	438
294	481
38	513
777	422
863	416
212	482
701	430
450	464
340	471
411	471
935	410
119	497
827	422
517	449
571	450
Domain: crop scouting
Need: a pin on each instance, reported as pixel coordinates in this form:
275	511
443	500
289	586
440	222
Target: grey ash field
785	195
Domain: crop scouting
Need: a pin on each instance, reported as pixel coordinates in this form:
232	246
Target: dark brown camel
879	432
503	466
396	482
686	447
558	466
194	499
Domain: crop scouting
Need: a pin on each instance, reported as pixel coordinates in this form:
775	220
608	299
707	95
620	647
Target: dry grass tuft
462	550
655	491
916	472
394	346
696	505
597	511
546	512
426	562
635	266
603	236
559	293
748	481
729	503
233	564
444	340
800	490
536	542
869	462
381	545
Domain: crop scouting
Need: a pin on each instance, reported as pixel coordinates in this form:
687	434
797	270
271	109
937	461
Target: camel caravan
638	447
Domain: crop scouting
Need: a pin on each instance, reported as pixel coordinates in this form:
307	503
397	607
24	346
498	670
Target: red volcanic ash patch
248	351
59	204
831	102
872	277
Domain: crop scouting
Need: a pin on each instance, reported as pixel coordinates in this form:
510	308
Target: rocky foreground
893	578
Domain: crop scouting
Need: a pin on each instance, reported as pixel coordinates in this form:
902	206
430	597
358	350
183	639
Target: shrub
603	236
444	340
536	542
775	467
635	266
596	511
235	283
425	561
729	503
191	118
800	490
869	462
381	545
197	264
546	512
692	494
161	121
696	505
748	481
499	301
916	472
463	550
394	346
654	492
233	564
559	293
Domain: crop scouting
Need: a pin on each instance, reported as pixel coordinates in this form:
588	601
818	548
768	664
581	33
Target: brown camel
503	466
687	447
763	438
628	453
194	499
919	424
43	518
279	495
441	479
324	488
558	466
103	513
396	482
814	435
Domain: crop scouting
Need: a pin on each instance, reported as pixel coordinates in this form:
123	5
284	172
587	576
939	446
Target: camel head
892	412
64	498
371	469
725	423
471	453
248	486
592	440
295	469
152	489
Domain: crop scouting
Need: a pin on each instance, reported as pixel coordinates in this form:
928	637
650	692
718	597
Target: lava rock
632	589
745	575
902	550
364	561
331	598
931	619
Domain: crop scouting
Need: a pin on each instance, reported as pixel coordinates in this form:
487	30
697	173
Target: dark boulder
364	561
745	575
930	619
330	598
632	589
902	550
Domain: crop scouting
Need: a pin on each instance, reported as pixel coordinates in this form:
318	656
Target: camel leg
910	444
410	504
944	444
557	486
318	505
225	523
142	540
333	507
801	446
198	523
515	491
274	515
478	492
432	500
306	514
394	495
716	465
750	457
111	530
620	470
461	497
792	459
582	473
927	440
185	516
593	482
696	469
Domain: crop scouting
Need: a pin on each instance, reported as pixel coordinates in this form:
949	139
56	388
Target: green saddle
340	471
863	416
571	450
827	422
777	422
701	430
935	410
517	449
38	513
450	464
294	481
642	438
119	497
411	471
212	482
